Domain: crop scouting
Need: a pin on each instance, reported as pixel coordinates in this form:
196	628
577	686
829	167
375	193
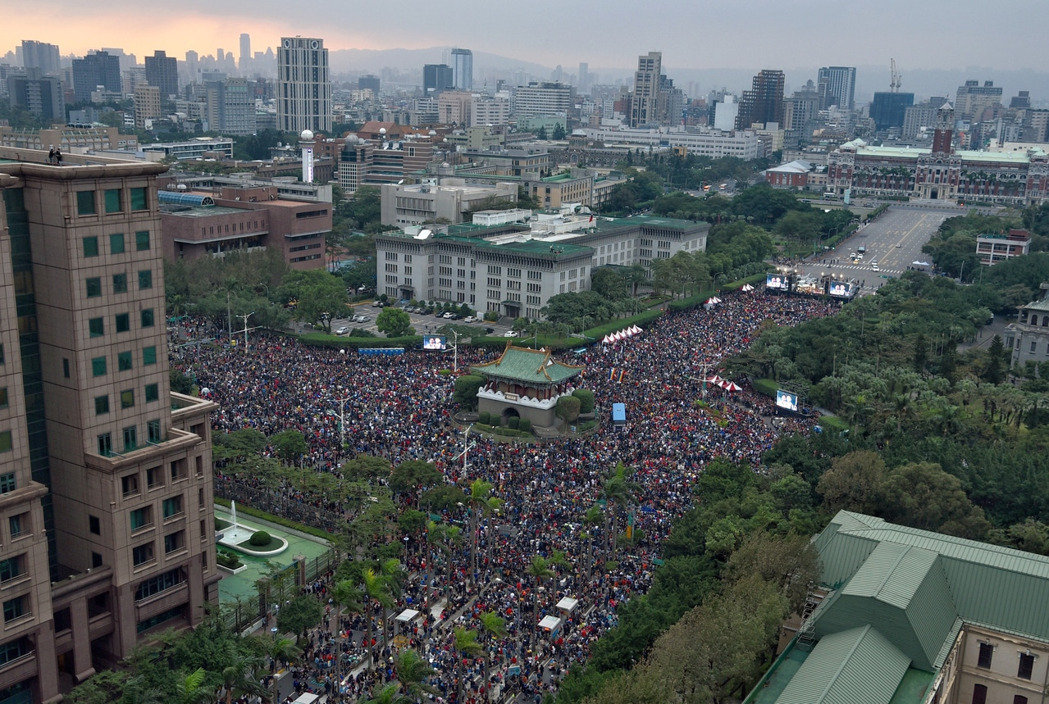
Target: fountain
233	513
236	536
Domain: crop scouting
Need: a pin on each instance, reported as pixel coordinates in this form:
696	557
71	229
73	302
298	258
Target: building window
138	199
112	198
141	517
98	366
142	554
147	318
178	470
979	694
6	441
145	279
93	286
174	541
172	506
101	405
12	567
986	654
154	477
1019	699
94	525
90	246
142	240
16	608
160	583
96	560
7	482
85	203
18	524
130	438
3	397
123	321
1026	666
105	445
153	431
96	328
129	484
116	243
152	392
119	283
124	361
149	355
65	373
127	398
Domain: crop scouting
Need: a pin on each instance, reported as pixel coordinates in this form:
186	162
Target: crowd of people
401	408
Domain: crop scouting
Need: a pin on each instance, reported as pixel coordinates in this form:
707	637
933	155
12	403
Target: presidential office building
512	270
908	616
106	520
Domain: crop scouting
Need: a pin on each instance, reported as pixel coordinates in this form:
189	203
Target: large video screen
786	400
840	289
776	282
432	342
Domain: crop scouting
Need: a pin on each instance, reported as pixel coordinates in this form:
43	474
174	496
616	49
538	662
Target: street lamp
341	415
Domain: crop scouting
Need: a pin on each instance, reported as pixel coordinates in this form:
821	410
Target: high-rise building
105	476
162	72
41	55
646	89
230	106
147	104
40	95
888	109
537	99
97	69
836	85
725	112
437	77
369	82
463	69
763	103
245	52
583	80
303	85
972	98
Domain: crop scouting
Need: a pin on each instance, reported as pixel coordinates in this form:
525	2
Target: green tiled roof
857	666
527	366
646	220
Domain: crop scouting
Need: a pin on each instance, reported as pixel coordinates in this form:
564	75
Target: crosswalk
860	267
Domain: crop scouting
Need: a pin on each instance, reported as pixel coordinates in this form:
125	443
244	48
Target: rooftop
528	366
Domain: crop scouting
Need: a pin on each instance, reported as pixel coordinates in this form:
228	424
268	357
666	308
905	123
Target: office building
68	138
888	109
908	616
1028	337
437	77
972	99
462	69
763	103
230	106
96	69
583	79
37	93
513	270
162	72
646	89
453	107
245	52
995	248
303	86
417	204
147	105
105	476
196	148
836	85
369	82
536	99
742	144
42	56
725	112
488	110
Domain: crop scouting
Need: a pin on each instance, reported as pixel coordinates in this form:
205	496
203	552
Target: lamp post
342	420
246	316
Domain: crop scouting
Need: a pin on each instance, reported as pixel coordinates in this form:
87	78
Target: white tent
637	330
550	623
407	616
567	604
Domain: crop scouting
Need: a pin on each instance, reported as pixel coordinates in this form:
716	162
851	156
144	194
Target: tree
466	388
414	477
559	131
283	651
289	445
412	671
299	614
479	500
586	400
467	646
855	482
541	133
394	322
321	296
345	595
390	694
540	571
567	409
922	495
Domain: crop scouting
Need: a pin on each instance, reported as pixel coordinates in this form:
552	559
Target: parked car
342	330
509	333
470	319
378	304
489	331
448	316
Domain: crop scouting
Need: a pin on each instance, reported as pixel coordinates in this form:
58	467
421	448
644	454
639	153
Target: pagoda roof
528	366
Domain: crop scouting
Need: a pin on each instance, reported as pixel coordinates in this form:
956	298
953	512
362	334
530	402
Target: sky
1005	34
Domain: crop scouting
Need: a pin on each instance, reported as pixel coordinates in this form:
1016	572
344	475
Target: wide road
893	241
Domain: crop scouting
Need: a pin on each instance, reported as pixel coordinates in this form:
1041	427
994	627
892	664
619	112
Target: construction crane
894	83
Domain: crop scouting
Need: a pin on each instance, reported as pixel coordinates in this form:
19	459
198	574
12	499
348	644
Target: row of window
143	554
112	201
99	365
117	244
122	321
94	284
127	400
1024	669
160	583
130	433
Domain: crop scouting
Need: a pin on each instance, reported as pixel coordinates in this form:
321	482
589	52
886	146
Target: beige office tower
106	519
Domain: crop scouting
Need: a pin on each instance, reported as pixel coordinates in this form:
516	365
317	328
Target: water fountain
236	536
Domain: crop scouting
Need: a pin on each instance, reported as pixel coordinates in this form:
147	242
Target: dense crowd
401	408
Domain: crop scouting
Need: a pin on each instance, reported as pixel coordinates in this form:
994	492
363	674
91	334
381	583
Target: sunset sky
691	33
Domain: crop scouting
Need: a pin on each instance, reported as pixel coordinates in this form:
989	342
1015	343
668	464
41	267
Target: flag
591	218
621	372
612	374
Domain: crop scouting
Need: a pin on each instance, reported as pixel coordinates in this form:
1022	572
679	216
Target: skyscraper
98	69
41	55
463	69
162	72
437	77
888	109
303	85
245	52
40	95
836	85
105	476
583	80
763	103
646	89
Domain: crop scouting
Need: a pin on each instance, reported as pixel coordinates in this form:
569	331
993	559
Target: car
363	318
874	266
470	319
509	333
489	331
377	304
342	330
448	316
899	244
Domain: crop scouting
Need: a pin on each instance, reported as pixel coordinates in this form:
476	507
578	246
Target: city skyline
937	34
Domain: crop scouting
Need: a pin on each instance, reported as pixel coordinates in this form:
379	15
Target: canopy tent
715	380
407	616
730	386
916	263
550	623
747	288
568	604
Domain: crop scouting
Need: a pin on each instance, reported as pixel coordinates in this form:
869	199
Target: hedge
321	340
279	520
765	386
641	320
506	432
259	538
833	423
